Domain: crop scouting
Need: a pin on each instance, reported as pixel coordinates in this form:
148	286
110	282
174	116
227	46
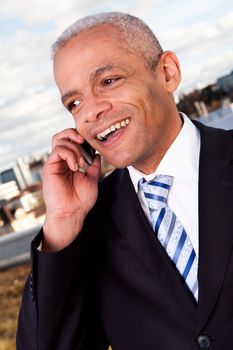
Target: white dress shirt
182	162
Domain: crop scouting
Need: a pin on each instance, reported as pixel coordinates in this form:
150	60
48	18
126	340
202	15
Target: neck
150	163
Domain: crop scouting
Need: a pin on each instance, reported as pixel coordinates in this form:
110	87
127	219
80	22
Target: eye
109	81
73	105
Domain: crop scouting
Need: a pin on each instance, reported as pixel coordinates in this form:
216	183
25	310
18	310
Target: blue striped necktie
169	230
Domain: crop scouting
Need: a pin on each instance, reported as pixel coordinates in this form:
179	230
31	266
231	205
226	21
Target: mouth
104	135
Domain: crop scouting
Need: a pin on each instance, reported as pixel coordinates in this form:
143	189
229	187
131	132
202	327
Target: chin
119	163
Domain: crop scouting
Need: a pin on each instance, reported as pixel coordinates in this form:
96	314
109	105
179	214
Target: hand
69	193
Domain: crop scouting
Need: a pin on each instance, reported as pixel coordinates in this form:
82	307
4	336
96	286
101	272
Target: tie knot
156	191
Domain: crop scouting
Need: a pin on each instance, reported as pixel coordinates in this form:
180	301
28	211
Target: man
120	264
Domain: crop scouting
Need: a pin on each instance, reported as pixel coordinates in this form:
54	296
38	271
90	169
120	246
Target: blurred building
21	202
35	168
9	190
19	173
226	82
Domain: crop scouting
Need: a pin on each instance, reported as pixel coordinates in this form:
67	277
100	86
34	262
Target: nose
95	108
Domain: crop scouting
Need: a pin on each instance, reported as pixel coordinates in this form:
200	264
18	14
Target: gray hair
135	33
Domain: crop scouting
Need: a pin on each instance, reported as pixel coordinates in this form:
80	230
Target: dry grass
11	286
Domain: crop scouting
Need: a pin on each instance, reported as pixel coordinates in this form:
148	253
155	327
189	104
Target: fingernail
81	170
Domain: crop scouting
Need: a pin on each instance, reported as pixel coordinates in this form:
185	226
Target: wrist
60	232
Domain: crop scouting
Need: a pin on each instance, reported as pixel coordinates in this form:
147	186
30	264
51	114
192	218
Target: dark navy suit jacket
115	284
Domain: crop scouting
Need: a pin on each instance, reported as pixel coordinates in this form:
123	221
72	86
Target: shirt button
204	342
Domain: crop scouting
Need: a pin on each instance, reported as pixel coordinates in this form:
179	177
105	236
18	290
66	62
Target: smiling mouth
103	135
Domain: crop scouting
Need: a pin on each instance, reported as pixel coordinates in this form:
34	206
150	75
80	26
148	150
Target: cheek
128	94
80	128
77	125
146	101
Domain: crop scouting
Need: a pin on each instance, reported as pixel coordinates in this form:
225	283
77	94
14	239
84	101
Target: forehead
98	44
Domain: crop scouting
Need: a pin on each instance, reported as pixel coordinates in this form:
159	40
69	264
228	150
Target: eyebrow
103	69
93	75
68	95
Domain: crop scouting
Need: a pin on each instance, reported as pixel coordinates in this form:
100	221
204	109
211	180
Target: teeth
102	135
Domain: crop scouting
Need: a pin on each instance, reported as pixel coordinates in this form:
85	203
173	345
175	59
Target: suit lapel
139	236
215	226
215	217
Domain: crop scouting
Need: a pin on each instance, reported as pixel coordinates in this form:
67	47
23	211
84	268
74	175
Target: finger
62	154
74	147
69	134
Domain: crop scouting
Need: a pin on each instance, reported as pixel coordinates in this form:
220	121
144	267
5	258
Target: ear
170	68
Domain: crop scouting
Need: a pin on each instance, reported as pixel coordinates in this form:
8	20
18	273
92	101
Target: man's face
123	110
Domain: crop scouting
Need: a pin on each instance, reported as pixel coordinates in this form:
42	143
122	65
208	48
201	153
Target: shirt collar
179	161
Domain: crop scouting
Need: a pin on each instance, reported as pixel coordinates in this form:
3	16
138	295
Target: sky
200	32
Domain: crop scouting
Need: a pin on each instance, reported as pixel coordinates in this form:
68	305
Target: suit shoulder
231	132
215	141
213	131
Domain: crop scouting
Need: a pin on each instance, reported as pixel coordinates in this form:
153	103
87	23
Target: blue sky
200	32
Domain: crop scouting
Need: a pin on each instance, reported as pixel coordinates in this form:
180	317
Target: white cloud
226	22
34	13
24	64
28	123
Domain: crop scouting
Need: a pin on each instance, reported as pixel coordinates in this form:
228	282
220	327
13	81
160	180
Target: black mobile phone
88	152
